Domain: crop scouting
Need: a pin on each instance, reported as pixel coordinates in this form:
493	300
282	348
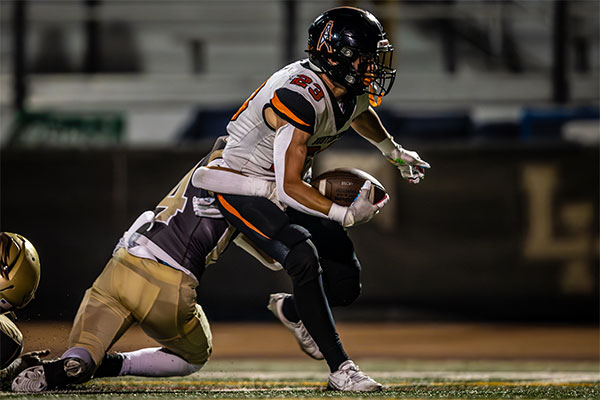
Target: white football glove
360	211
411	166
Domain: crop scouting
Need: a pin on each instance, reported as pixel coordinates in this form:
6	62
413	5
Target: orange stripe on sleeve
233	211
284	110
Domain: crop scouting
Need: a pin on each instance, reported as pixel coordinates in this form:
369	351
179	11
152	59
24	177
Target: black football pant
316	253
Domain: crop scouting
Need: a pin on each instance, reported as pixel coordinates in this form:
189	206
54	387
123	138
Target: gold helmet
19	271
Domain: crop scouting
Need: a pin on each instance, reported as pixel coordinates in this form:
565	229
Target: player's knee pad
292	234
300	256
302	263
200	357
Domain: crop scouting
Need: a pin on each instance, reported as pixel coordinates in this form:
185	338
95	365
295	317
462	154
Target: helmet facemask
375	75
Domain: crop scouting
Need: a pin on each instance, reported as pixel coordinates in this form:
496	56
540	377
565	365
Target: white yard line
550	376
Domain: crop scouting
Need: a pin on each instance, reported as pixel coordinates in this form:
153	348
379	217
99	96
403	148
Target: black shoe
111	365
51	375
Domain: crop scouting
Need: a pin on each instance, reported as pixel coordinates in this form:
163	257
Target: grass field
412	361
232	379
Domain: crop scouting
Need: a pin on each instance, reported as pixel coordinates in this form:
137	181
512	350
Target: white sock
155	361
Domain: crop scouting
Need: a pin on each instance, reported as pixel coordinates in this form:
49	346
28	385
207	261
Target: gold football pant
11	341
161	299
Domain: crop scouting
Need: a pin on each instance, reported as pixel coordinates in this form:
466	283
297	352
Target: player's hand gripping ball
342	185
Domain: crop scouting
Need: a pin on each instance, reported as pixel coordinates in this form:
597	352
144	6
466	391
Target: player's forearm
305	195
369	126
223	180
409	163
289	157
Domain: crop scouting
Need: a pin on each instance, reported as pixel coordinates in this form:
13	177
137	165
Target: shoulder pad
294	108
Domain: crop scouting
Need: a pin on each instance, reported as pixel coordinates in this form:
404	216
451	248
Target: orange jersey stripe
233	211
283	109
245	105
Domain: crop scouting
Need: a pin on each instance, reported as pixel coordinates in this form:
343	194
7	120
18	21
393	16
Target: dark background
455	249
105	104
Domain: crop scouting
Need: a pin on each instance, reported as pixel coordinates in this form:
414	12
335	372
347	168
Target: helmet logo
325	38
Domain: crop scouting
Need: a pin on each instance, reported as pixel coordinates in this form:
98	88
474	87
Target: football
341	185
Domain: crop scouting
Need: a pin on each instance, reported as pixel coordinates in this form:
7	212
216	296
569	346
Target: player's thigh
329	237
176	321
11	341
101	318
260	220
340	266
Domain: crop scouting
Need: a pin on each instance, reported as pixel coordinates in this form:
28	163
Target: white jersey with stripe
297	94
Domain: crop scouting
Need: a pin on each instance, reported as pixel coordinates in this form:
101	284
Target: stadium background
105	104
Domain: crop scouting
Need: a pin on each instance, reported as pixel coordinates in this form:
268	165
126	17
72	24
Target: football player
19	279
258	180
151	279
298	112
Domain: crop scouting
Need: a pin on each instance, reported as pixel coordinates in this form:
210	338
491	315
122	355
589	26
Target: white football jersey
298	95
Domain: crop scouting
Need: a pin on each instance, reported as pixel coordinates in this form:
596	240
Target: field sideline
423	361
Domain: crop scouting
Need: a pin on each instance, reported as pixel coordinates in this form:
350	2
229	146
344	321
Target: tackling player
151	279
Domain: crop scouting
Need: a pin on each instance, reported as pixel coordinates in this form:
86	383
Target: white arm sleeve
283	138
223	181
386	146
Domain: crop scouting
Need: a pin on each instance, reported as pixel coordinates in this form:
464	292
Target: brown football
341	185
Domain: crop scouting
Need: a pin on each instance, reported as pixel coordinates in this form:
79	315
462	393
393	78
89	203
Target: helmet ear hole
346	52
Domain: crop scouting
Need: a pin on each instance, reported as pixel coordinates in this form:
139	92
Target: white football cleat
30	380
349	378
306	342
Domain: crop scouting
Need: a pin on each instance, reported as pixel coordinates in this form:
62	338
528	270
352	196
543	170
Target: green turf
270	379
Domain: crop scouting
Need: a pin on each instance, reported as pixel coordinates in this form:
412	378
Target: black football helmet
342	35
